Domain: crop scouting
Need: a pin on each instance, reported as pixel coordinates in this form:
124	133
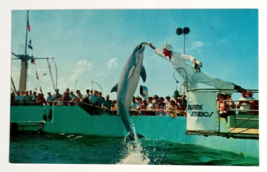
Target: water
79	149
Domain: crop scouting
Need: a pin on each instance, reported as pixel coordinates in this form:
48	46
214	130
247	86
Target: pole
56	72
26	32
184	43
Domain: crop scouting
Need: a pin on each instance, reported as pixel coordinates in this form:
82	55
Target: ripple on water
79	149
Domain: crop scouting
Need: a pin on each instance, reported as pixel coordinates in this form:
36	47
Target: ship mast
24	61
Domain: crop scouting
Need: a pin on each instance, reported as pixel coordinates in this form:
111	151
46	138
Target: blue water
79	149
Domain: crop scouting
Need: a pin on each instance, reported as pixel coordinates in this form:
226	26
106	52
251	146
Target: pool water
79	149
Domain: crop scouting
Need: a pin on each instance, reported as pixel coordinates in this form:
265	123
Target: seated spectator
86	97
161	106
221	106
66	98
134	104
12	98
139	101
244	106
155	101
49	98
144	105
30	92
72	96
254	105
100	99
22	93
107	103
34	97
168	98
230	105
150	105
40	100
27	99
57	95
177	101
114	105
18	98
94	98
79	97
183	105
168	103
172	111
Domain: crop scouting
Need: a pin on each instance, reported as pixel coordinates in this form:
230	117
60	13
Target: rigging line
56	70
71	83
49	67
249	128
242	123
75	85
13	84
38	75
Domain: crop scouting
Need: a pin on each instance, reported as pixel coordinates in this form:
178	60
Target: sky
93	45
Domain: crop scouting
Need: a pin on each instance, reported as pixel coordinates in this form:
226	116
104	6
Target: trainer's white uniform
178	60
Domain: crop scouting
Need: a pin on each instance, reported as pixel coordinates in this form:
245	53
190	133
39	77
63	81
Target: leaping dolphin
126	87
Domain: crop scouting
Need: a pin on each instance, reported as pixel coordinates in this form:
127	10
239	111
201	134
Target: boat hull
73	119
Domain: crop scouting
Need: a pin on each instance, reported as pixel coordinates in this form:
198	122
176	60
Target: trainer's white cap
168	46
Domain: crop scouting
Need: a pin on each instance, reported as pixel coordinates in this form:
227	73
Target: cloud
81	67
112	63
197	44
221	41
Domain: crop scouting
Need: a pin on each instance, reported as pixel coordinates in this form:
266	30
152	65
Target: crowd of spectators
245	105
152	106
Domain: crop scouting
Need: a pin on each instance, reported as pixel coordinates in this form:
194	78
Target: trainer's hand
199	63
149	44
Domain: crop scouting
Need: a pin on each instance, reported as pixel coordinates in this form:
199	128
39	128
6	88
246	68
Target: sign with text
202	111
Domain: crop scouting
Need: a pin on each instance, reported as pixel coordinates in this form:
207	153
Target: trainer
194	75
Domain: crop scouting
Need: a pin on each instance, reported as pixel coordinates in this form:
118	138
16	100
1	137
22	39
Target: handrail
215	89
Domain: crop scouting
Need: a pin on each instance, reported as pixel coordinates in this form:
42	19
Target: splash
135	153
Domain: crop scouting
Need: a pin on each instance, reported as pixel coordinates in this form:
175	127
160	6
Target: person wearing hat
161	106
49	97
57	95
194	75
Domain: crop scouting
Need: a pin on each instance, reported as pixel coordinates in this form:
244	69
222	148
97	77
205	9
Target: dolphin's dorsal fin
143	73
115	88
131	72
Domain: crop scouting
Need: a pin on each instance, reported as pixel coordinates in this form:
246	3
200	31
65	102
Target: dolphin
126	87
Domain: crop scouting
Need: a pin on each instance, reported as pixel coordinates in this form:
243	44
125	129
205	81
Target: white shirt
177	59
178	62
134	105
18	98
244	106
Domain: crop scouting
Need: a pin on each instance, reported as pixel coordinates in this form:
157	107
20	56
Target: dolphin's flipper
131	72
143	73
130	137
115	88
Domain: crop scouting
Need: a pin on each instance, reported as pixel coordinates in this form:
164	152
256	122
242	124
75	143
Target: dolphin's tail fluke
130	137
